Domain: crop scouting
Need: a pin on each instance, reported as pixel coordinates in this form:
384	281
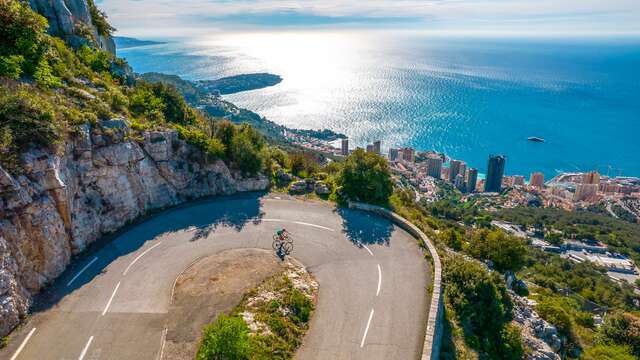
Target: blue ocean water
467	97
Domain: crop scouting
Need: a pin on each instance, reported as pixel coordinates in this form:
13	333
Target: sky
170	18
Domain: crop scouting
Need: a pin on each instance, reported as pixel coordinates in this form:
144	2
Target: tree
507	252
246	150
452	238
226	339
366	177
303	164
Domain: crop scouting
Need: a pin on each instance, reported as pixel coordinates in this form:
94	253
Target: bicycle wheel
287	247
276	244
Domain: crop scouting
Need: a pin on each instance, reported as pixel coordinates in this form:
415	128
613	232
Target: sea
468	97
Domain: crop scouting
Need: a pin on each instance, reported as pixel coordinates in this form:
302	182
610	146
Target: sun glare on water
317	68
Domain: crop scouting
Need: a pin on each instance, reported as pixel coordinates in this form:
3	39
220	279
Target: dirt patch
208	287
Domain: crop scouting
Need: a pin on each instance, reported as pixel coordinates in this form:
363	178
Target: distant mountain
123	42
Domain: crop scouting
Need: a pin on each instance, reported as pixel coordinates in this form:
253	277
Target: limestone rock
298	187
67	18
322	188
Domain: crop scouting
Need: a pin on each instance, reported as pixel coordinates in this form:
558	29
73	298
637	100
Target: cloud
536	16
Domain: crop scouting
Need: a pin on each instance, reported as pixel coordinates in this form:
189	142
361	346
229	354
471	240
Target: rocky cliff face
71	21
101	180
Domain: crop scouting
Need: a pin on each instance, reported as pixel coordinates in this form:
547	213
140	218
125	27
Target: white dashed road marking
379	280
299	223
106	308
86	348
24	342
366	330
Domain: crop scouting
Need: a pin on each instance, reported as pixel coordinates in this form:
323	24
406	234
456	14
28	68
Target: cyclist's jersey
280	232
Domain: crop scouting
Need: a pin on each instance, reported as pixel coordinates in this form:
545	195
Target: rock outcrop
537	334
99	182
71	20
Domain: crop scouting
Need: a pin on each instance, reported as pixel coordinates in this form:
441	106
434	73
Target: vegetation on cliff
481	307
48	89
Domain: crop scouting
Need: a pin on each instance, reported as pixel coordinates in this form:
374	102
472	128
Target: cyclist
282	234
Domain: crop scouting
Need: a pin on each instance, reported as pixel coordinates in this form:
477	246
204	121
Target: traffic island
211	286
269	323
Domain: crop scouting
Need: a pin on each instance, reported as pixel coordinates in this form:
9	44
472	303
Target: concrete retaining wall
433	336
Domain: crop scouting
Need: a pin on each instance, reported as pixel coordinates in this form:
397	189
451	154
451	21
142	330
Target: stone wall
433	336
98	182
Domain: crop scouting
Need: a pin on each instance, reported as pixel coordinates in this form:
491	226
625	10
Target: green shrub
144	103
554	312
301	306
279	156
44	76
452	238
11	66
95	59
608	352
227	338
512	348
620	328
212	147
483	308
22	32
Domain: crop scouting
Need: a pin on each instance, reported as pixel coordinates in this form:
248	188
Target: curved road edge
433	336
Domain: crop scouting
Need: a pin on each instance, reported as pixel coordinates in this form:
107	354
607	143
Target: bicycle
282	246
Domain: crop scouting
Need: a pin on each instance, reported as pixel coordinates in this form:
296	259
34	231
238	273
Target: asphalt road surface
112	303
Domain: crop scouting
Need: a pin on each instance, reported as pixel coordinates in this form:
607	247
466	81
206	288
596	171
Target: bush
144	103
452	238
620	328
554	312
95	59
303	164
482	306
512	348
227	338
608	352
301	306
28	119
11	66
175	109
44	76
212	147
366	177
22	33
507	252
